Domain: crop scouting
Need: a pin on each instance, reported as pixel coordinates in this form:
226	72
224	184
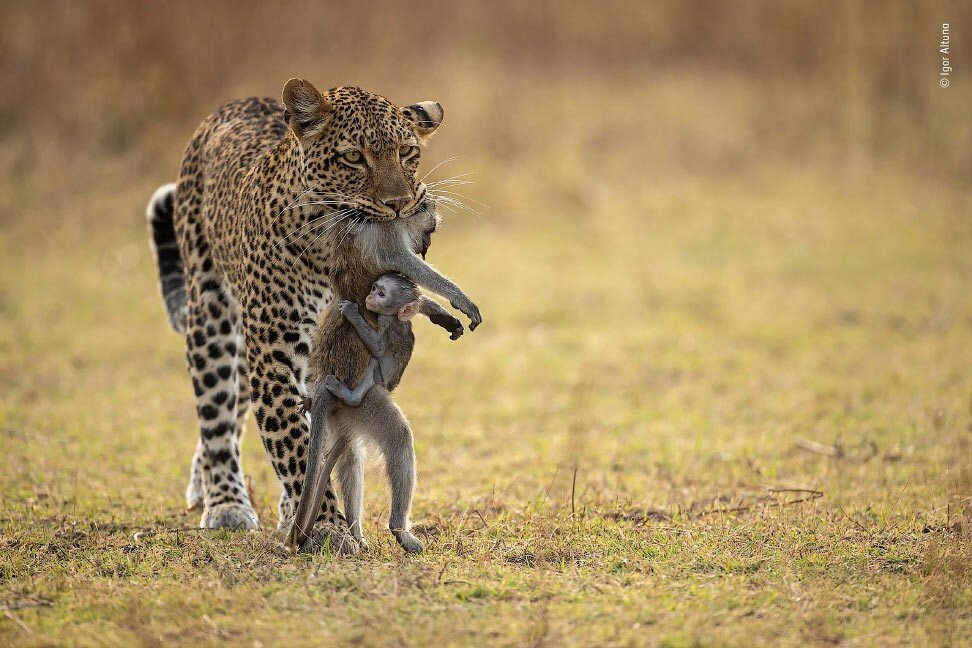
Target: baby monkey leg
352	397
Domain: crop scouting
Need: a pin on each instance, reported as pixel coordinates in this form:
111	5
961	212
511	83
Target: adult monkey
245	273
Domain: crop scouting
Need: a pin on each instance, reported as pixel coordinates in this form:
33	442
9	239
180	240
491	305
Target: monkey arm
416	269
371	338
441	317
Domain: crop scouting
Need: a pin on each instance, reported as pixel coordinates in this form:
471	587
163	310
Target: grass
662	347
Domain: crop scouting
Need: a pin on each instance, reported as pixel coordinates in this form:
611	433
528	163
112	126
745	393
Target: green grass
593	462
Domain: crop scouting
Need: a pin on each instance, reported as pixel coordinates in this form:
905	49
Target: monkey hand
347	307
449	322
470	310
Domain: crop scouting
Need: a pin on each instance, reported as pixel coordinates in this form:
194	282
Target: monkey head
394	294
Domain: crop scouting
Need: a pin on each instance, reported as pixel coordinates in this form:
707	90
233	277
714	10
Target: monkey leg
318	473
350	476
319	465
381	419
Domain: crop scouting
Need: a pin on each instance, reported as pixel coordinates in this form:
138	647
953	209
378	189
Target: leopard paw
232	515
194	492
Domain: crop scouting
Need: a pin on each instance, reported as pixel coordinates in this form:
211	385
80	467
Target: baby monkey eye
352	157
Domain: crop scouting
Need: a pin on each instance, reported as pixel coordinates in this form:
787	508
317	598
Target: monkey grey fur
342	356
395	299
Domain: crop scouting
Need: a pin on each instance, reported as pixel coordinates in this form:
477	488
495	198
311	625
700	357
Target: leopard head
361	152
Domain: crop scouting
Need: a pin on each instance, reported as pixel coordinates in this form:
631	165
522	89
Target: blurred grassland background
712	235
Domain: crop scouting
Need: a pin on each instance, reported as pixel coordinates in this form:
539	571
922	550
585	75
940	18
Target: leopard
245	271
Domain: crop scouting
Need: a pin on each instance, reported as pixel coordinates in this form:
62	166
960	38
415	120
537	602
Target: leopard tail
172	280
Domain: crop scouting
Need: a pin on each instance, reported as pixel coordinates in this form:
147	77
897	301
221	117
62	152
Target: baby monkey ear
306	109
408	311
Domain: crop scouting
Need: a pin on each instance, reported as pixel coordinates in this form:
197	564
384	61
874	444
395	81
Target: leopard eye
407	151
352	157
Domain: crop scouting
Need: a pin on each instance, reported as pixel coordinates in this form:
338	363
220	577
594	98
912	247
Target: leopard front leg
213	353
278	354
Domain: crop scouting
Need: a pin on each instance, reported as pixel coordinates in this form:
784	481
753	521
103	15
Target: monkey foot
409	543
364	544
333	383
338	541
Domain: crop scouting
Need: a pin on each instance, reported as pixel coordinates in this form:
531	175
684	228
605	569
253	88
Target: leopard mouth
360	212
421	206
366	211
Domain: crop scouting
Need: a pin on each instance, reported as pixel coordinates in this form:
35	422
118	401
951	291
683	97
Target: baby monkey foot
341	391
409	543
334	384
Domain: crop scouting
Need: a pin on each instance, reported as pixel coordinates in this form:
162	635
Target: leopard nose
397	204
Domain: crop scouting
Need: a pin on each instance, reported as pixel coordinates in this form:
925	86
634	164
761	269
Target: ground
722	403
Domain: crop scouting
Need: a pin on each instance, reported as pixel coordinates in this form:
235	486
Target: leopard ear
306	109
426	116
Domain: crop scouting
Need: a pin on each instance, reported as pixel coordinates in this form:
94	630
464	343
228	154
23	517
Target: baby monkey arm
371	338
441	317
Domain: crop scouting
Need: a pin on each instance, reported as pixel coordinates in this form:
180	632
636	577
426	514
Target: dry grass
692	298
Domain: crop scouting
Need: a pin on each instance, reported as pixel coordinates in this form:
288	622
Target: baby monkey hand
347	307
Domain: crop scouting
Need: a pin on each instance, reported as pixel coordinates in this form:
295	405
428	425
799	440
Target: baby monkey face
383	298
393	294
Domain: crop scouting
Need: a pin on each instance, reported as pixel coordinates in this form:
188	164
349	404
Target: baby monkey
395	300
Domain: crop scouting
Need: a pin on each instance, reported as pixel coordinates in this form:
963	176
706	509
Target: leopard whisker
451	178
317	223
456	206
296	202
346	232
460	195
353	205
311	203
309	245
454	157
299	196
448	200
312	225
449	183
